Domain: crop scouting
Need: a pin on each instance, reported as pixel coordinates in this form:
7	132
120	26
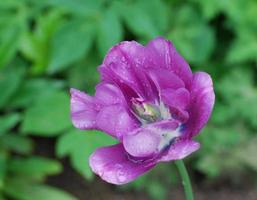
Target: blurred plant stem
185	179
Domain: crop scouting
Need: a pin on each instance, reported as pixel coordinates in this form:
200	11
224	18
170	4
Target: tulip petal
143	143
165	56
113	165
180	150
201	103
164	79
115	121
83	110
179	98
108	94
123	65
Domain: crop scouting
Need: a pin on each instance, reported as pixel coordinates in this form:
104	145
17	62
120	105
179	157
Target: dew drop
120	173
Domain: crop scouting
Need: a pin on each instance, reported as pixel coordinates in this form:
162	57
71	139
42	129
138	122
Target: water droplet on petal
120	173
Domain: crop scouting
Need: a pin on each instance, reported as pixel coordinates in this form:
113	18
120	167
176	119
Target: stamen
146	112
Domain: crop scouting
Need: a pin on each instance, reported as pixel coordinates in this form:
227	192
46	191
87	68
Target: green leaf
17	143
85	8
110	31
21	190
193	38
35	45
156	190
157	11
84	74
49	116
210	8
10	79
244	48
3	167
1	197
139	20
9	41
7	122
33	90
29	46
218	145
69	44
238	89
247	153
34	167
9	4
79	145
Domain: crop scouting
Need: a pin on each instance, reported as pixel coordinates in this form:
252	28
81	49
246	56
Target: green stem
185	179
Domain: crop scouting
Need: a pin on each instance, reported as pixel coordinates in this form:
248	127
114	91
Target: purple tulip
151	102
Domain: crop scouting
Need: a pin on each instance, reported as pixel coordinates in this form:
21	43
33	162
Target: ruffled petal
150	140
201	103
164	55
108	94
142	143
123	65
115	120
179	98
83	110
180	150
113	165
164	79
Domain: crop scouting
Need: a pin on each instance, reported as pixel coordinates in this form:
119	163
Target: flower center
151	139
145	112
148	112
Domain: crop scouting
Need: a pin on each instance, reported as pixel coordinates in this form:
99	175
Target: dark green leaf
78	7
84	74
17	143
193	38
139	21
35	45
247	153
34	167
244	48
70	43
157	11
9	41
7	122
33	90
10	79
3	167
21	190
49	116
79	145
109	31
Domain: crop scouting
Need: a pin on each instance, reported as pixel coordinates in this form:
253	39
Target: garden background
48	46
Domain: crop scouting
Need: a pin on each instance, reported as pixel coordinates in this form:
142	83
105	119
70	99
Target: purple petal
115	120
149	140
165	56
201	103
142	143
164	79
124	65
179	98
180	150
83	110
108	94
113	165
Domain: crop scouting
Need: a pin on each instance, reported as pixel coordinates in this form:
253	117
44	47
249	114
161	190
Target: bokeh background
48	46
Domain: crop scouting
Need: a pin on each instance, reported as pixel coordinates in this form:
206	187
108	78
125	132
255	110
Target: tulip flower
151	102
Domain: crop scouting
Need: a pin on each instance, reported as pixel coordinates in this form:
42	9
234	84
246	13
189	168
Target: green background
48	46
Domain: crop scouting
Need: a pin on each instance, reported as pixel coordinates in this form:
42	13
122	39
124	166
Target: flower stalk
185	179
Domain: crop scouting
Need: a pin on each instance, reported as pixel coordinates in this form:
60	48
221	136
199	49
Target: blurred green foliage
48	46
